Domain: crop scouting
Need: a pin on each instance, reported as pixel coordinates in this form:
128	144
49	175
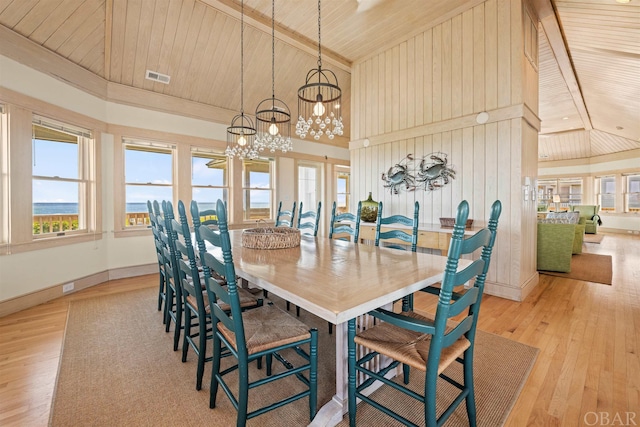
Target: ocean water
72	208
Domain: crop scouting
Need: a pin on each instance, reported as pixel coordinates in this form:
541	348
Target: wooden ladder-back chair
250	335
345	226
208	217
157	242
175	303
194	308
197	310
430	344
399	238
308	221
285	218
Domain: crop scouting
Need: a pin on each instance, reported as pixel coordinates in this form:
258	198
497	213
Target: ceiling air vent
157	77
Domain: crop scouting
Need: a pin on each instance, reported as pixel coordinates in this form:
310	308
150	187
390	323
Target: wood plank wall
422	96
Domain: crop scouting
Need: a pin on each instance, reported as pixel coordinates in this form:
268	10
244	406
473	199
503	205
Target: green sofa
558	240
590	215
555	246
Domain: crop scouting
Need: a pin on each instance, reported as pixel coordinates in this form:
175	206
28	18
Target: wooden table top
337	280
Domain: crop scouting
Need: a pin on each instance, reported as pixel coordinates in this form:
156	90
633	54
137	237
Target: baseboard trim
509	292
39	297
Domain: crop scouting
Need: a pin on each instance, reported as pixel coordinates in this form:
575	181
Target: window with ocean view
209	178
148	176
257	188
61	178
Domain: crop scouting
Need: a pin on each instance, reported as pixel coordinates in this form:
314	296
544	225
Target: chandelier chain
273	48
242	58
319	44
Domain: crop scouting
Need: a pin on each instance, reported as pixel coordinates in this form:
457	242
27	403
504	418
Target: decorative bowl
450	222
271	238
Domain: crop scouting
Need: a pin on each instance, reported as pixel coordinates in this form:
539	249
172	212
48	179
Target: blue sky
60	159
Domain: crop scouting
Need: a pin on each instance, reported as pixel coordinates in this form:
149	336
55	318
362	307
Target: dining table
337	281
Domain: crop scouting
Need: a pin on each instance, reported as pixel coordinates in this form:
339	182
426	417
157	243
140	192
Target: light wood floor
588	335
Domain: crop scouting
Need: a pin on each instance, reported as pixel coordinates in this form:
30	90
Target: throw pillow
569	217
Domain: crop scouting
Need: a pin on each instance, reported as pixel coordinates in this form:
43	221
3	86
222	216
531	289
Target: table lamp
556	200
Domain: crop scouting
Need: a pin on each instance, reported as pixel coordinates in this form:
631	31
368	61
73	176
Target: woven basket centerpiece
271	238
450	222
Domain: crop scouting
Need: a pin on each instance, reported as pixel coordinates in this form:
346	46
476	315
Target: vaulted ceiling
589	57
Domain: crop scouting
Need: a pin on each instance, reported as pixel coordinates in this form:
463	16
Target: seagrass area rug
593	238
588	267
118	368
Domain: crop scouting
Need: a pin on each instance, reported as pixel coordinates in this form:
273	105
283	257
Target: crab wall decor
400	175
432	172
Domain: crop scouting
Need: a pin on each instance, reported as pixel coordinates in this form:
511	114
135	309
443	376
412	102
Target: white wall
423	96
29	272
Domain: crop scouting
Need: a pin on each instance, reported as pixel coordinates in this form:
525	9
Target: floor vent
157	77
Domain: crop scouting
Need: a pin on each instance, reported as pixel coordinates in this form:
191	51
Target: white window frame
308	206
86	177
151	146
629	178
341	172
204	153
600	194
247	188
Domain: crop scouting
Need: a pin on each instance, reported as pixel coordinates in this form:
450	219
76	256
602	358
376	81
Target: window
308	185
148	176
257	188
632	196
342	191
568	189
607	194
4	178
209	178
62	179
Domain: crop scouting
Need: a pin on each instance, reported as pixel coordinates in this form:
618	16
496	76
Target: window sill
49	242
622	214
133	232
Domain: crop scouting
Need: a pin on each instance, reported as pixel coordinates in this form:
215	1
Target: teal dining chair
285	218
429	343
399	238
155	223
174	303
208	217
308	221
246	336
197	312
345	226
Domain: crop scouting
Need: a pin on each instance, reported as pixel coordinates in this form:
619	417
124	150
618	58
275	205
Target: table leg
332	412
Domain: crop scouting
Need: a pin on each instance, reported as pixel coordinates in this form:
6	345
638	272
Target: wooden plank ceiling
197	43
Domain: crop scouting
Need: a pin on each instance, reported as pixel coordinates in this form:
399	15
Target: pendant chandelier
319	101
273	118
241	134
